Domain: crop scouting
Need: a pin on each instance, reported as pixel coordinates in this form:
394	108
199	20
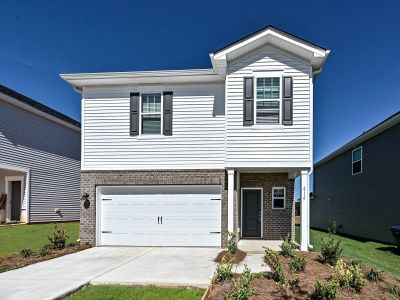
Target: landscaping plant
288	247
330	250
272	258
45	250
349	276
26	252
59	238
373	275
395	292
242	290
232	245
326	291
297	264
223	271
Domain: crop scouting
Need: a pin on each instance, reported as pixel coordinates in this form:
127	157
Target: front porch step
257	246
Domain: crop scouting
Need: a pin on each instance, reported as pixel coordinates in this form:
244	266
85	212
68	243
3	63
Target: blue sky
359	86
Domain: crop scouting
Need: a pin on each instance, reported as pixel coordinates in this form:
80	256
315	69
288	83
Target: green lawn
13	238
375	254
109	292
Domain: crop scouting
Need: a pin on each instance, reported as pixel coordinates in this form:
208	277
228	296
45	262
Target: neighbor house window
151	114
357	161
268	100
278	197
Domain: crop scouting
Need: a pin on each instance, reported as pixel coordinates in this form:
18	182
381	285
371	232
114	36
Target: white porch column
231	183
304	211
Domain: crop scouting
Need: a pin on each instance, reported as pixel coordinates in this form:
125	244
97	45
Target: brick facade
277	223
91	179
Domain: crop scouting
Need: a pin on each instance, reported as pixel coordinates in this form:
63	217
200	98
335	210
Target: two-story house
181	157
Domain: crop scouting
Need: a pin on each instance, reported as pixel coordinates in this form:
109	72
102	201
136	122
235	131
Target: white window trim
262	209
284	197
354	161
268	75
161	114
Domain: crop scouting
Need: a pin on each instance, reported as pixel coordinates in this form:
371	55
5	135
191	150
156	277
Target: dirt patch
15	261
269	289
234	258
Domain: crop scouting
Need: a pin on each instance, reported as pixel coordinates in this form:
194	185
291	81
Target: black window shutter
134	114
167	113
248	101
287	105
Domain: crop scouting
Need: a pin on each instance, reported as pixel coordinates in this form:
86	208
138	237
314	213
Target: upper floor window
268	100
357	161
278	198
151	113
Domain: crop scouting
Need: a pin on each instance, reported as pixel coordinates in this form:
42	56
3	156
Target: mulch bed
15	261
269	289
235	258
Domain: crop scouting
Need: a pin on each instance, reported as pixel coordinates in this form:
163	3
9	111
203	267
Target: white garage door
160	216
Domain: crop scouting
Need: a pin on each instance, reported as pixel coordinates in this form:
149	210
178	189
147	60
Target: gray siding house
358	185
39	161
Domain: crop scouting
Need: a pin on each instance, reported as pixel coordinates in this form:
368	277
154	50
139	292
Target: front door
15	200
251	213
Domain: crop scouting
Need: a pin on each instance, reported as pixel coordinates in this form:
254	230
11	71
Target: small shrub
26	252
223	271
45	250
330	250
71	244
242	290
326	291
288	247
373	275
349	277
59	238
272	258
394	292
231	242
297	264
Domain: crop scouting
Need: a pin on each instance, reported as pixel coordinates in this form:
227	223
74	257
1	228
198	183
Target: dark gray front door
251	213
15	200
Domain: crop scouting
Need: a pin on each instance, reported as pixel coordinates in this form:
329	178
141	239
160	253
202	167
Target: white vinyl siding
263	144
197	142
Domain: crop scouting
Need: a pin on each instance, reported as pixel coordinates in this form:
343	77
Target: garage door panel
191	216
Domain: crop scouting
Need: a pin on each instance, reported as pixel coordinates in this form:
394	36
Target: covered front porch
261	206
14	194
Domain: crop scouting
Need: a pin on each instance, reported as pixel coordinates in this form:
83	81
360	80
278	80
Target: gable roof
370	133
315	55
266	28
26	101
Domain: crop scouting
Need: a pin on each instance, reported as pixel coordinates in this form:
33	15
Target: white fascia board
317	51
80	80
38	112
360	139
272	164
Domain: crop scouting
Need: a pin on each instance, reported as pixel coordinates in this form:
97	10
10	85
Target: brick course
91	179
277	223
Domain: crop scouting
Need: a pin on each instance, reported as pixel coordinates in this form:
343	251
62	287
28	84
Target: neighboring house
39	161
179	158
358	185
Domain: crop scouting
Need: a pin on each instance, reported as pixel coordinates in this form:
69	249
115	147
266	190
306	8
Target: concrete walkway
115	265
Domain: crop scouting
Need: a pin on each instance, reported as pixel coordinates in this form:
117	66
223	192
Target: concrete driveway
110	265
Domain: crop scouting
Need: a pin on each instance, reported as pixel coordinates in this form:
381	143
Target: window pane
151	103
268	88
151	124
267	112
279	193
279	203
357	167
357	154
